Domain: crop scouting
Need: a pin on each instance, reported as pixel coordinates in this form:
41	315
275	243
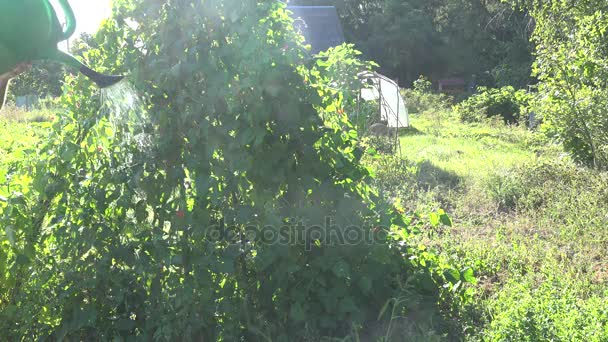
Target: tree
82	44
571	52
44	79
440	38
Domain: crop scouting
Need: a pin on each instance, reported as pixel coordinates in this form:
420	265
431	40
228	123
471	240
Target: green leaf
435	219
445	218
341	269
452	275
469	275
10	234
297	312
22	260
68	151
347	305
141	211
365	284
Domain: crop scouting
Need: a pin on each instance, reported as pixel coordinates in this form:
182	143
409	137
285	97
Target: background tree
440	38
82	44
571	49
44	79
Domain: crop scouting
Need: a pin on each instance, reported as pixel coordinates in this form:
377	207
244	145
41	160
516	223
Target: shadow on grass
410	131
424	322
431	176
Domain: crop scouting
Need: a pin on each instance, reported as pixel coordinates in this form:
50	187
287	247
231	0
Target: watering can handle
69	18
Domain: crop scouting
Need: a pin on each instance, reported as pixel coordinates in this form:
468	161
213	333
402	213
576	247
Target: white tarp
382	88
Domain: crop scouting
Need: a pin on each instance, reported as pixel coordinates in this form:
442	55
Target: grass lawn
531	222
19	131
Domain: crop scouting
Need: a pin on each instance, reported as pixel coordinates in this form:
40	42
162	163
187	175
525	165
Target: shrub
571	67
393	173
552	311
422	85
380	143
507	103
421	98
563	191
339	67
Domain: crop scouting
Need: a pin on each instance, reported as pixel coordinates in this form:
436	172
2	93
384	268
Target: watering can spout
30	31
103	81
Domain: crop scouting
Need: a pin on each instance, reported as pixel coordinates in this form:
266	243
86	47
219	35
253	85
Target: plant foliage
228	203
571	65
421	97
507	103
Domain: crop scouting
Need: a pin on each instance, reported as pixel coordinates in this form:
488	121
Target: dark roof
320	25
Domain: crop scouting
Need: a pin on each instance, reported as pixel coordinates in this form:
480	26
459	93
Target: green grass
19	130
531	222
13	114
470	151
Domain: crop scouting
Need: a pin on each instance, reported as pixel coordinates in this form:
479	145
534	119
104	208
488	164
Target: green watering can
30	31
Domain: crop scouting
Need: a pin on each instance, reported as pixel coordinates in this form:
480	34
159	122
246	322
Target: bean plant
222	199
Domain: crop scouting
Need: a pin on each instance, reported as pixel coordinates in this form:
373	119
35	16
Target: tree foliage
84	43
440	38
571	51
44	79
507	103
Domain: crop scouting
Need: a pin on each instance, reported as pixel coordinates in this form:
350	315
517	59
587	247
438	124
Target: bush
507	103
340	66
571	67
551	312
421	98
380	144
393	173
563	191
